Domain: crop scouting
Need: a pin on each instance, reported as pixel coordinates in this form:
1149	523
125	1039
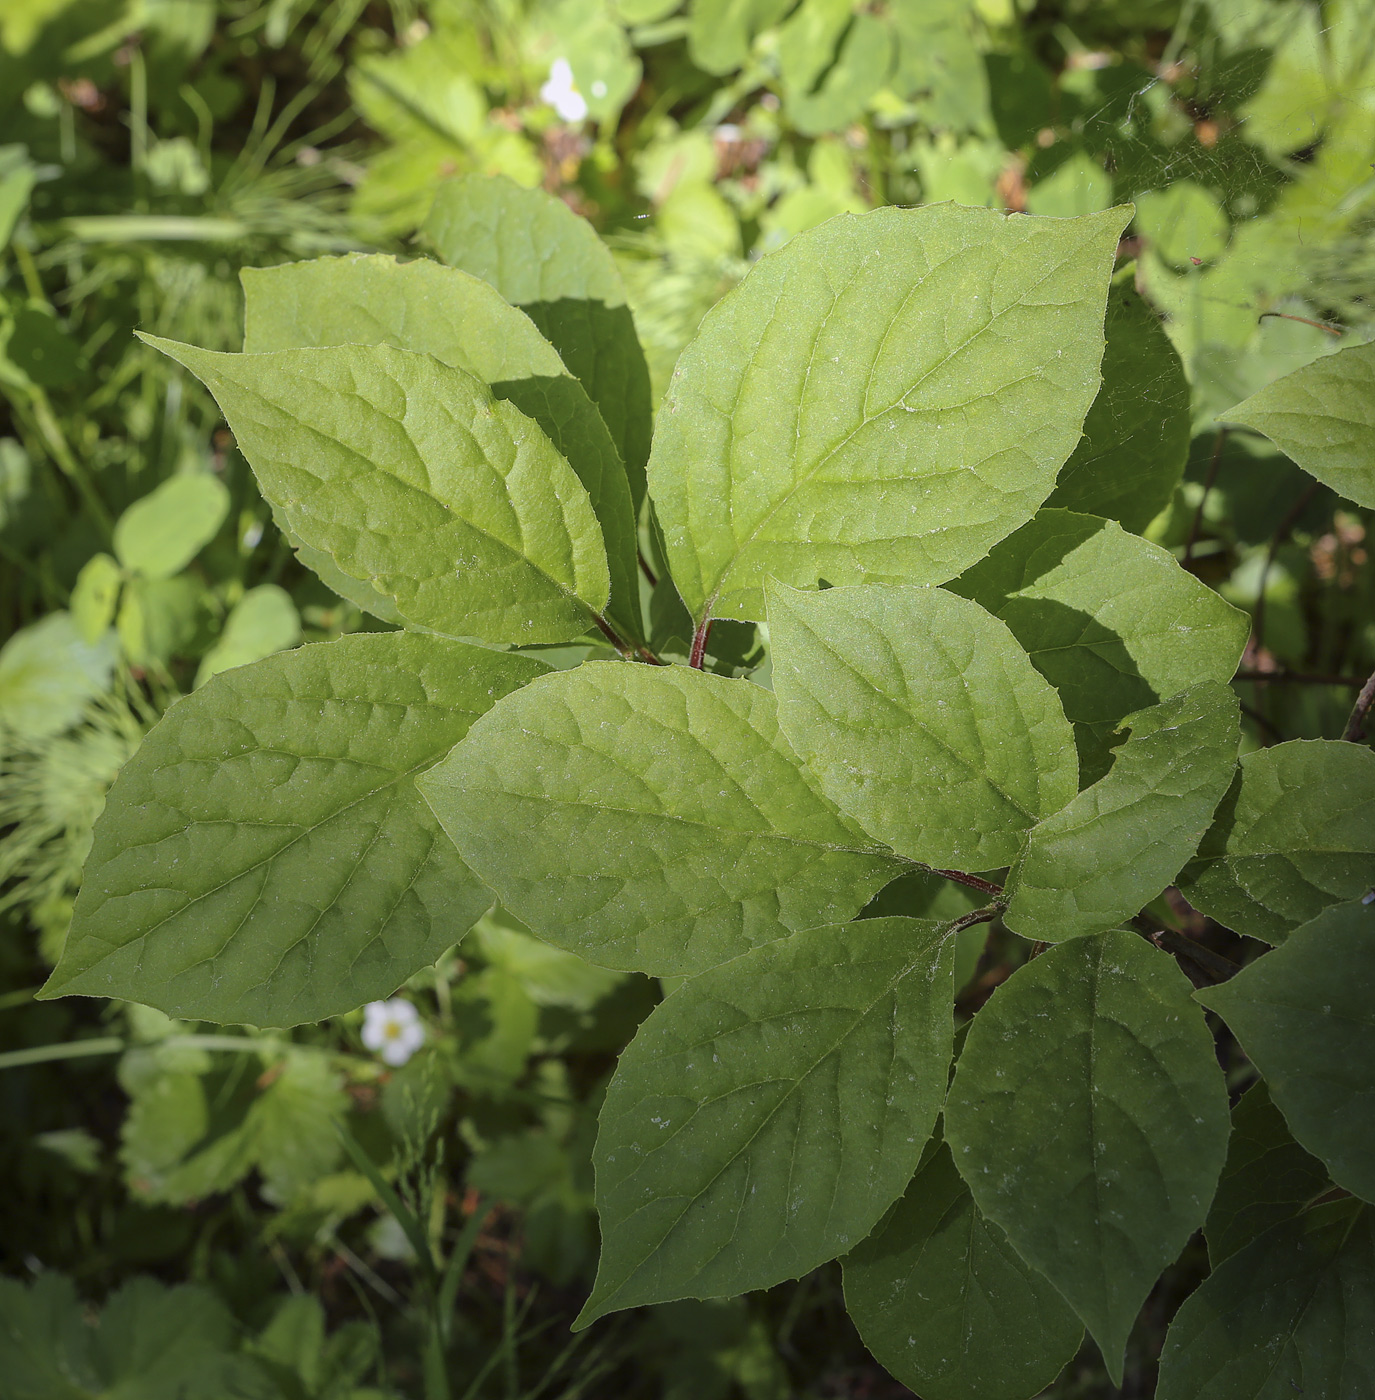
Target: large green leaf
1295	834
1109	852
1136	435
415	479
264	856
721	32
922	719
948	1306
1089	1117
769	1112
1305	1017
1288	1315
651	819
1268	1177
1323	416
881	400
546	260
366	299
1112	622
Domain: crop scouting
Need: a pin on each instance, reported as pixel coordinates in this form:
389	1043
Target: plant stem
1360	712
699	644
629	652
646	570
1214	965
1300	678
1209	478
1281	534
973	881
68	1050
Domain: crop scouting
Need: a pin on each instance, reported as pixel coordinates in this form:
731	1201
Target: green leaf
409	473
880	400
546	260
49	673
1323	417
151	1342
769	1111
1267	1180
1304	1016
948	1306
1295	834
922	719
1288	1315
1184	223
721	32
1112	622
159	535
461	320
264	856
94	597
1136	435
263	621
831	61
1120	842
651	819
1089	1117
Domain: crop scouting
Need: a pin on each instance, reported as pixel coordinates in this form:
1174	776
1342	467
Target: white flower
561	94
392	1029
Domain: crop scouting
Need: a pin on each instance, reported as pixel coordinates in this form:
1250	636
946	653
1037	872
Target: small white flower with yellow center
562	94
392	1029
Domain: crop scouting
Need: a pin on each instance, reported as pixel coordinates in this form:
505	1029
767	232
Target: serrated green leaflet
1112	622
1109	852
463	321
1295	834
1303	1014
1288	1315
1268	1177
1323	417
544	259
416	480
769	1112
161	533
881	400
922	719
651	819
264	857
1089	1117
1136	435
948	1306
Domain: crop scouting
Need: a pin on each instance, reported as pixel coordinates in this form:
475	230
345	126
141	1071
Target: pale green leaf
1089	1117
1323	417
948	1306
94	597
1287	1316
1079	186
371	299
721	32
1295	834
1136	435
769	1111
650	818
1107	854
264	856
1112	622
415	479
48	674
263	621
832	61
922	719
1184	223
546	260
1305	1017
1268	1177
881	400
160	534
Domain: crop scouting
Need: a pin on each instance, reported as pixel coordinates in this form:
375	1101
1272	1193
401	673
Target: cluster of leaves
877	444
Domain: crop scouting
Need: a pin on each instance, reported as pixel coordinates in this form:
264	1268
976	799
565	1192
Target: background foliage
180	1211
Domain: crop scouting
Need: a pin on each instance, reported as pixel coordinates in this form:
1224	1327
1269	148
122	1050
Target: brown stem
645	569
1211	476
699	644
1303	320
631	652
1360	712
973	881
1268	725
1214	965
975	916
